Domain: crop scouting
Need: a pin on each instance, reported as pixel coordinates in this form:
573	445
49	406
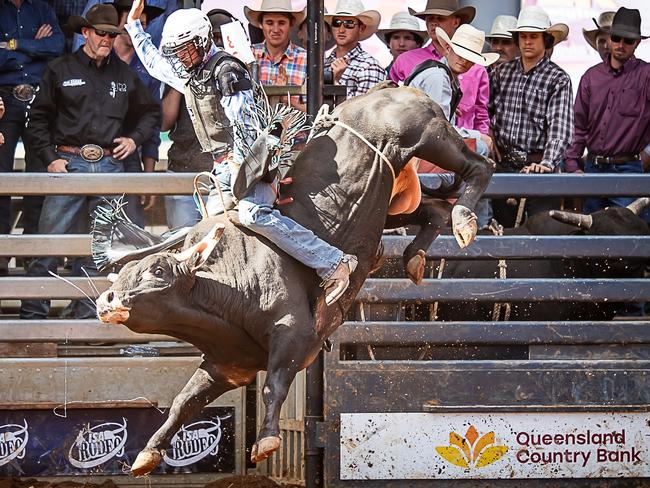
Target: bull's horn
204	247
579	220
638	205
112	277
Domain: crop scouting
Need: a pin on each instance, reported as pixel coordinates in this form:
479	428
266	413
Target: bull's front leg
287	352
206	385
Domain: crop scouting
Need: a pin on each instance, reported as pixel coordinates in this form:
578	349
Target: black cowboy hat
101	16
151	11
627	23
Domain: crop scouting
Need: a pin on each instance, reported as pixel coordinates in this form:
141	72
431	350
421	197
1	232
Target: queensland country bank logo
13	442
471	451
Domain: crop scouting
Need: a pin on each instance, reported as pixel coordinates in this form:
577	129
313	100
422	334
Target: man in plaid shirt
278	60
349	63
531	108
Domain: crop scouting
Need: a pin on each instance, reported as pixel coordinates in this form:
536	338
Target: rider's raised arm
155	63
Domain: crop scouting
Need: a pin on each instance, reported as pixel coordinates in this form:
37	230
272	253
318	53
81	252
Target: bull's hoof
146	462
264	448
415	267
464	225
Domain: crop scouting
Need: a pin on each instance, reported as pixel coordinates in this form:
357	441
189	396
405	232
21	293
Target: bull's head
610	221
143	287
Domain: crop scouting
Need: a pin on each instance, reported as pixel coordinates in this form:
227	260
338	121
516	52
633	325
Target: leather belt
89	152
620	159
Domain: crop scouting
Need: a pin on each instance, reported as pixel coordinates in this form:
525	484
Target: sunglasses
618	39
102	33
347	23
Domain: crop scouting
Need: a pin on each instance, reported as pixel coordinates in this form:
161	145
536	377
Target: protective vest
203	100
456	92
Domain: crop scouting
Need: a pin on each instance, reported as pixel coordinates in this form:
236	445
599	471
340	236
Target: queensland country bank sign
388	446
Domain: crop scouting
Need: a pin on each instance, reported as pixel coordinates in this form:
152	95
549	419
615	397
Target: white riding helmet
182	28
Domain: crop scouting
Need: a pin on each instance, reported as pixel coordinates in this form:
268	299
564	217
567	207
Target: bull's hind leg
444	147
288	348
430	216
206	384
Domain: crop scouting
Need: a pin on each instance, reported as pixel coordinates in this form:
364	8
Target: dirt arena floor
230	482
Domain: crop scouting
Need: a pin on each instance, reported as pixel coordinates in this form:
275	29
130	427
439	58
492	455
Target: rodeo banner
107	441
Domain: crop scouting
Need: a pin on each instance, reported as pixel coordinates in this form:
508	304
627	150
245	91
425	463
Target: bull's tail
117	240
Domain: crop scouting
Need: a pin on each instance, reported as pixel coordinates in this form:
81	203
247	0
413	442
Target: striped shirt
363	71
531	112
294	61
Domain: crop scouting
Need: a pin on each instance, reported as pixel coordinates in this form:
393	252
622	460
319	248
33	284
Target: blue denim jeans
257	213
483	208
181	210
64	215
592	204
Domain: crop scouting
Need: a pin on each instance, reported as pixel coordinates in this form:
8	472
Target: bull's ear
196	256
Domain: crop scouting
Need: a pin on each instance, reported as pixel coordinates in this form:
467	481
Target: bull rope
324	120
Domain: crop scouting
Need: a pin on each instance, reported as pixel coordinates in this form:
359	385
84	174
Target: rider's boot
336	284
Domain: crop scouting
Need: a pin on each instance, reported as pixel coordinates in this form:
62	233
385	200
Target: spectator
439	80
278	61
77	124
598	38
147	155
475	85
612	110
403	34
300	34
185	154
29	35
63	10
348	63
500	39
531	108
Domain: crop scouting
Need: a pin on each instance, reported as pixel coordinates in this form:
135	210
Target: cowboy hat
152	11
502	26
535	19
603	24
275	7
468	42
354	8
627	23
402	21
446	8
102	16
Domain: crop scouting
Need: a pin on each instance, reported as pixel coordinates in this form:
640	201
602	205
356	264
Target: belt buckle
24	92
91	153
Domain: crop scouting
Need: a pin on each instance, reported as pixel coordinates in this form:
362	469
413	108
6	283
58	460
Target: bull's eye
158	272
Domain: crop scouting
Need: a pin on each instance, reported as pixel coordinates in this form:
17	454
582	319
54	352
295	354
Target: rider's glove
229	76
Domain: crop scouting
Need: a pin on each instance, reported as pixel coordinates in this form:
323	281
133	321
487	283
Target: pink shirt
474	84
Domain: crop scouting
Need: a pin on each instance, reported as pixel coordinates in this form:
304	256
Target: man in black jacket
90	113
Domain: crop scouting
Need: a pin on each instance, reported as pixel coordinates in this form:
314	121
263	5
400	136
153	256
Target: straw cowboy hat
276	7
354	8
535	19
468	43
102	16
446	8
627	23
402	21
603	24
502	26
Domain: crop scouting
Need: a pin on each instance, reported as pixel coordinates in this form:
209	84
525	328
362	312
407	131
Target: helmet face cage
174	54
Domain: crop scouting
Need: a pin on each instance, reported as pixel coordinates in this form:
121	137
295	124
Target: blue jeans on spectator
134	209
592	204
62	215
483	208
181	210
12	126
257	213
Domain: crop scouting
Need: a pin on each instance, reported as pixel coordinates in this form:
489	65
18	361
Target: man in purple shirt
472	111
612	110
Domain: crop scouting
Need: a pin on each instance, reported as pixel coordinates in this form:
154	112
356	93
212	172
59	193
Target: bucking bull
249	306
